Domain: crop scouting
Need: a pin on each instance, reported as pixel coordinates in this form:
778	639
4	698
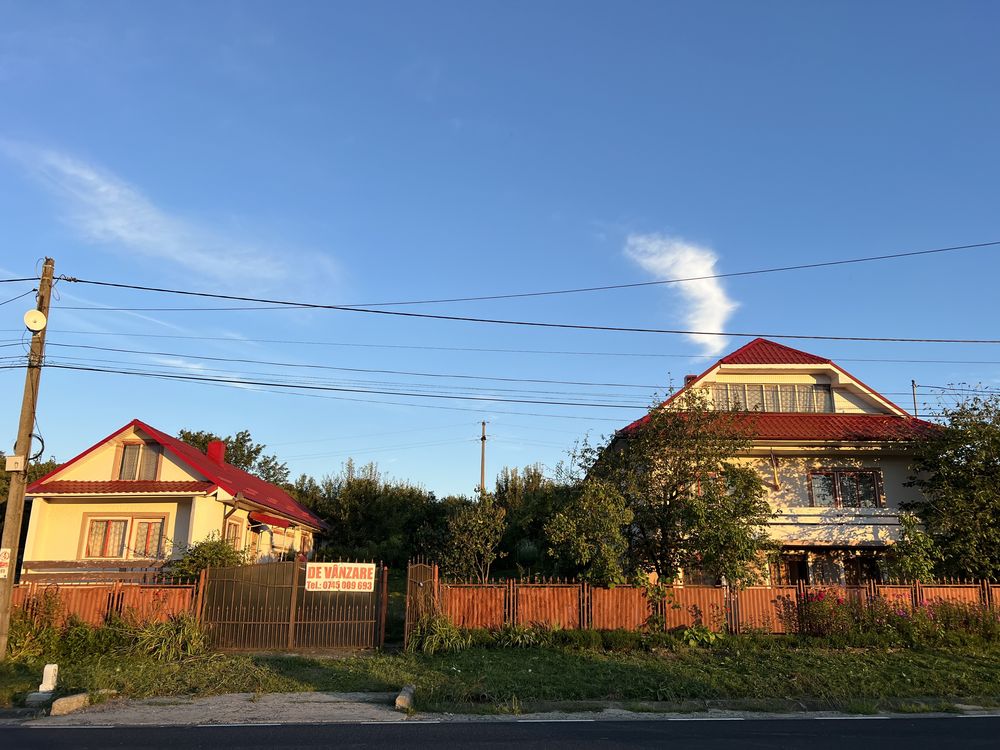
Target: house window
139	461
234	534
846	488
773	397
106	538
148	541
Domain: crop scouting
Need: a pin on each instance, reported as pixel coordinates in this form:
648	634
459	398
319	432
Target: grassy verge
751	673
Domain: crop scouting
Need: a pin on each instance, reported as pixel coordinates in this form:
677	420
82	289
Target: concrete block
38	699
404	701
50	675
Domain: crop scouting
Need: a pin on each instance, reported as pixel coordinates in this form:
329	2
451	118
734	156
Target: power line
417	347
26	278
197	378
527	323
641	284
12	299
353	369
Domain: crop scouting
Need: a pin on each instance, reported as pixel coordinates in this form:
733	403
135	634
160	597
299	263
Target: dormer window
139	461
773	397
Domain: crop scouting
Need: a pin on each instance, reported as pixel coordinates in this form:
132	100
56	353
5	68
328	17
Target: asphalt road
810	734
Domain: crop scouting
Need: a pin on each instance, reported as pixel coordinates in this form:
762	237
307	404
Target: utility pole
482	463
18	467
913	385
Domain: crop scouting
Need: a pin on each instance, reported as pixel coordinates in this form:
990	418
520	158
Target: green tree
957	470
587	535
914	556
474	533
241	452
693	503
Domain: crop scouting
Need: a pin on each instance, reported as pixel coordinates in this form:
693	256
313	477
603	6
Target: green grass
737	672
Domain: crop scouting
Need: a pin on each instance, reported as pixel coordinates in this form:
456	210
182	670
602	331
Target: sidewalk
324	708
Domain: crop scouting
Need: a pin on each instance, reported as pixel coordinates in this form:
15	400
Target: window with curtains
119	538
106	537
148	538
139	461
846	488
773	397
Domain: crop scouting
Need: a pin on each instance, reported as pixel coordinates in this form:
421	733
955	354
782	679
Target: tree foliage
212	552
241	452
373	517
474	533
957	469
587	534
915	555
693	504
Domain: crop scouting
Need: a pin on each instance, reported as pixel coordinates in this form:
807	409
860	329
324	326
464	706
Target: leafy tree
914	556
241	452
474	532
587	534
693	504
373	517
957	469
529	500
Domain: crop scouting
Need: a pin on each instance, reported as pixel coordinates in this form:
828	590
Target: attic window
139	461
773	397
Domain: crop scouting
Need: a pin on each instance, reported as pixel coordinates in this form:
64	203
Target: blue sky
378	152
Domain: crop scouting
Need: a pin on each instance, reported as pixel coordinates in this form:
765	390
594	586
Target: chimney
689	379
216	451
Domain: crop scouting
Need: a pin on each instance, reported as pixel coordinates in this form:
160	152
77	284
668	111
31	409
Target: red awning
270	520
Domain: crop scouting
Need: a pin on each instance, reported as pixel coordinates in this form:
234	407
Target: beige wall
797	522
58	526
99	466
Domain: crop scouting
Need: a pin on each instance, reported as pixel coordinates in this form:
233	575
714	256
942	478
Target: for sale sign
340	576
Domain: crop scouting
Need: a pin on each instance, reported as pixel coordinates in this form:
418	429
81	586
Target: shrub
523	636
435	634
480	638
584	640
212	552
621	640
700	635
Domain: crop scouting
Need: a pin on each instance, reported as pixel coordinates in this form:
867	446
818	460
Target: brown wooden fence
95	603
580	605
267	607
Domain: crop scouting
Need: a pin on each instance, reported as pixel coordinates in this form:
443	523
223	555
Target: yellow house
833	453
139	497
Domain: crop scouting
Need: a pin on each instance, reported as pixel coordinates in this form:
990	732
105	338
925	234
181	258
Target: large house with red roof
139	496
833	453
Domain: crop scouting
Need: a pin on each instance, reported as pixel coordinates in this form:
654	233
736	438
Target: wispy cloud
107	210
709	307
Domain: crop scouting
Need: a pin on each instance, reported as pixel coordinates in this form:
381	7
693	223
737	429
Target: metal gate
267	607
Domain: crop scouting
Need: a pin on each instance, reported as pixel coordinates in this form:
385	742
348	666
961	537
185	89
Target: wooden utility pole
913	385
482	463
18	467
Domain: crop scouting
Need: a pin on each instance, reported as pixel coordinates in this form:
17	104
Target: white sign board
340	576
4	562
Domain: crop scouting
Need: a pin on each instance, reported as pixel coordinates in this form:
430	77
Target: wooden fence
267	607
580	605
95	603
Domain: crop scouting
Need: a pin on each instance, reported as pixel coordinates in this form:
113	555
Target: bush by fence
767	609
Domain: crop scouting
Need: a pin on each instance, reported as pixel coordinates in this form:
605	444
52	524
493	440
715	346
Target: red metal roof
269	520
229	478
848	428
72	487
764	352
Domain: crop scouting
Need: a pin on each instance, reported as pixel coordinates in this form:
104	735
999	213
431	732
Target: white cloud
709	307
107	210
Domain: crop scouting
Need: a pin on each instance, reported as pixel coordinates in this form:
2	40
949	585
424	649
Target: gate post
294	604
383	605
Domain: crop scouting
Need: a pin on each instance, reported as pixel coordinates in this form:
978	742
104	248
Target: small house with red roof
833	453
140	496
